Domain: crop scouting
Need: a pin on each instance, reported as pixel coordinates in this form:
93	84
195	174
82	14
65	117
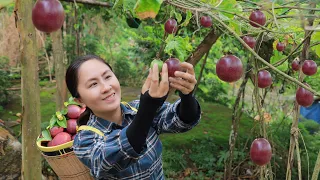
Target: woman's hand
184	81
156	89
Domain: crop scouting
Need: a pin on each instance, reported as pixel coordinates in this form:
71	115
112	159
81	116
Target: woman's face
98	87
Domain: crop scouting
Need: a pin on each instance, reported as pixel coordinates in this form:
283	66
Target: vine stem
287	77
291	7
294	143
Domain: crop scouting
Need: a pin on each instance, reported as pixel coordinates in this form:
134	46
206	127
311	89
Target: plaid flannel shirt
112	156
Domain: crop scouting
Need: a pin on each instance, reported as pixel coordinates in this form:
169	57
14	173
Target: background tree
30	91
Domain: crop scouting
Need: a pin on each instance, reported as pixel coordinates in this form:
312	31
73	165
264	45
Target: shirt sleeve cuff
126	146
180	123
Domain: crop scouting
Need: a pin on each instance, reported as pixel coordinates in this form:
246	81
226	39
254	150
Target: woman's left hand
184	81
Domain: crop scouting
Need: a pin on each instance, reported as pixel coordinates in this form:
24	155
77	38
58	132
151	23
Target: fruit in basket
72	126
60	138
55	130
72	138
74	111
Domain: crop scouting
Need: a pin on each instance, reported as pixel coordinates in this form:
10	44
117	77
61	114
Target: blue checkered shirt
112	156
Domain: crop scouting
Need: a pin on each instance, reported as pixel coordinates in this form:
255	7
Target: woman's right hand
156	89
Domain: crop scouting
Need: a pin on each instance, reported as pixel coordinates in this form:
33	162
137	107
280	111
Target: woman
130	147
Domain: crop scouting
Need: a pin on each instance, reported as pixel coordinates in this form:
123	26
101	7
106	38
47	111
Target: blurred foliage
4	81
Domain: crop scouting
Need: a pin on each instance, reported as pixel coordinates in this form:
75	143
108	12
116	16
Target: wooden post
60	69
30	91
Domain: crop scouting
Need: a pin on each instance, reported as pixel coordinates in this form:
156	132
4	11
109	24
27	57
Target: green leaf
276	57
188	17
178	45
317	50
117	4
63	123
236	27
45	136
178	17
231	6
76	26
203	88
316	37
147	8
71	101
128	5
53	121
64	111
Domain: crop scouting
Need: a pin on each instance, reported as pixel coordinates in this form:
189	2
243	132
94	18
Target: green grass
215	122
47	106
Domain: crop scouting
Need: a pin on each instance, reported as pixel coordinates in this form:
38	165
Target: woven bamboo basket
64	162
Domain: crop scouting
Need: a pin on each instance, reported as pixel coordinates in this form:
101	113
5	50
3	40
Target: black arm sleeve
188	108
138	130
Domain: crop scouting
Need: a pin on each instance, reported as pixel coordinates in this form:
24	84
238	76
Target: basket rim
54	148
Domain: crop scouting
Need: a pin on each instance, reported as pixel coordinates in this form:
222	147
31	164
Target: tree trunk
10	156
203	47
30	91
60	69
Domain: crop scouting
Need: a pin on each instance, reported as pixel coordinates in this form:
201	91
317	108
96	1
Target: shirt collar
97	121
127	109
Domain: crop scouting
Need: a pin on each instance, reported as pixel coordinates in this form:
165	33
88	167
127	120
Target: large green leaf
178	45
147	8
276	57
231	6
62	123
117	4
316	38
236	27
53	121
70	102
188	17
128	5
45	136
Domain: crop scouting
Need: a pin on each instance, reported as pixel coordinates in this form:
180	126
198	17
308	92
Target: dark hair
72	81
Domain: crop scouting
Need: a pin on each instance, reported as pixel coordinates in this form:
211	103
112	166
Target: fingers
186	76
188	67
184	81
154	81
181	88
164	84
147	83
